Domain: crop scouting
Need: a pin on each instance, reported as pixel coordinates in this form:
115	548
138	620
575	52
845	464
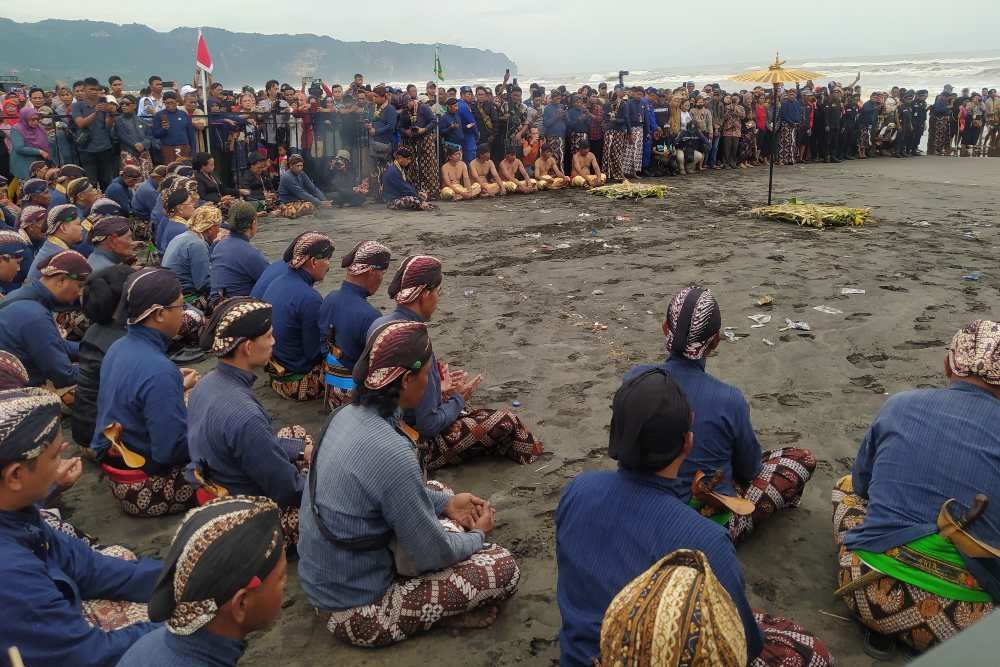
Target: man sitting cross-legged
548	172
515	176
586	172
456	183
484	172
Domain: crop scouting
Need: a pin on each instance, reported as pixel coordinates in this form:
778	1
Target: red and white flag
202	58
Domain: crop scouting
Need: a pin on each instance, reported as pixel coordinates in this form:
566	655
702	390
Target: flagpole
204	95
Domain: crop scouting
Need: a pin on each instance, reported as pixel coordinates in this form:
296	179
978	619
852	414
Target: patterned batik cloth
413	604
424	172
889	606
614	155
300	386
786	144
558	147
294	209
409	203
778	486
156	495
478	432
111	615
289	516
942	136
144	162
633	152
53	517
787	644
336	397
72	324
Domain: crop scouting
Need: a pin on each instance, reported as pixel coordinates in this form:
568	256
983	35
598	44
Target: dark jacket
93	347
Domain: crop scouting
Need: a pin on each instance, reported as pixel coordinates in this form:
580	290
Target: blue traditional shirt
29	332
275	269
142	390
144	199
229	434
395	185
47	574
168	230
188	256
723	435
102	259
611	526
236	265
120	193
347	314
433	415
294	318
368	483
298	187
51	246
203	648
179	132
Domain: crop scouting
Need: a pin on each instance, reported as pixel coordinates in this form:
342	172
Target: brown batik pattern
787	644
889	606
478	432
157	495
111	615
779	485
309	387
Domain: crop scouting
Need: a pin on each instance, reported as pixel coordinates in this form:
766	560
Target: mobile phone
169	84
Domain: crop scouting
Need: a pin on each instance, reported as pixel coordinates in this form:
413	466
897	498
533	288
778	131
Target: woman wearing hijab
724	436
29	142
376	543
140	434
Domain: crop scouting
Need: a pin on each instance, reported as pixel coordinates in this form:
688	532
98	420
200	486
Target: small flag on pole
202	58
438	70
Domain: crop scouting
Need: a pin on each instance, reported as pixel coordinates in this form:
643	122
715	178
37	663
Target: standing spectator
173	127
29	142
115	88
199	120
93	120
132	137
270	124
153	102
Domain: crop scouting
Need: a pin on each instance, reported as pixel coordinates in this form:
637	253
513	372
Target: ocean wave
883	63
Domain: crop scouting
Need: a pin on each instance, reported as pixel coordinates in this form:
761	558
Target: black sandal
878	646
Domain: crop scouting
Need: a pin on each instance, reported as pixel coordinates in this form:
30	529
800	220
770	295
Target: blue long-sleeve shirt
129	132
395	185
168	230
180	132
790	112
723	435
27	260
47	574
51	246
203	648
294	318
275	269
368	483
144	200
347	315
229	433
632	109
29	332
142	390
601	547
121	194
298	187
188	256
433	415
450	126
470	135
385	125
56	198
236	265
554	121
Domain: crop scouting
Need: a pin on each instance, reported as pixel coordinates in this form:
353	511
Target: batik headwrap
309	245
33	186
68	172
393	349
177	196
105	228
286	256
77	187
13	374
366	256
693	318
234	321
204	218
146	292
29	420
221	547
11	244
415	274
66	263
58	215
102	208
975	351
33	215
675	613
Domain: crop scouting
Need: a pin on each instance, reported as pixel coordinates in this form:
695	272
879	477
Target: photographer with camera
345	189
93	118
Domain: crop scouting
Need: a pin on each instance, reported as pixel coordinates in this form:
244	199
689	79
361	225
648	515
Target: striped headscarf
34	215
234	321
204	218
29	420
415	274
693	319
393	349
675	613
11	244
975	351
68	263
366	256
309	245
13	374
147	291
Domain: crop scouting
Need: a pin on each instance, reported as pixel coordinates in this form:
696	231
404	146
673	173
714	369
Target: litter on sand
814	215
973	275
851	290
767	342
829	310
760	319
597	292
765	300
627	190
792	324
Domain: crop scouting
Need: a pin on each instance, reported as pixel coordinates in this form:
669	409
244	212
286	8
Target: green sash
931	563
720	518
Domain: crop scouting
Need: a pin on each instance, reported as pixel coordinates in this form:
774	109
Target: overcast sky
555	36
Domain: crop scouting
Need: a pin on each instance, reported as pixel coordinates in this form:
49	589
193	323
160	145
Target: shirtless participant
513	173
484	172
455	181
548	173
586	172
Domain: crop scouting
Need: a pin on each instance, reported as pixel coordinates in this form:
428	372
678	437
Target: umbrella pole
774	141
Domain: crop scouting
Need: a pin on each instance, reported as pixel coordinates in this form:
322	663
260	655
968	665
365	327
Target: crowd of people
111	283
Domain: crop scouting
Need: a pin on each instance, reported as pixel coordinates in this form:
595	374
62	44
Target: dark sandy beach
531	322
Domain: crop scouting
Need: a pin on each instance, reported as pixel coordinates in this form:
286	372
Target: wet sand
529	320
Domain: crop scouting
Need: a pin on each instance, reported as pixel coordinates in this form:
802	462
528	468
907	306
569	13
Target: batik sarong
297	386
294	209
424	171
111	615
577	139
786	144
53	517
479	432
778	486
408	203
143	161
557	145
413	604
614	155
942	136
633	152
145	495
787	644
888	606
338	381
72	324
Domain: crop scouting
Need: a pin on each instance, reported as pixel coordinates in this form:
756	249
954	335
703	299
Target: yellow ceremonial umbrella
775	74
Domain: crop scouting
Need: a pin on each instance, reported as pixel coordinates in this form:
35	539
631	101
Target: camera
622	73
169	84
